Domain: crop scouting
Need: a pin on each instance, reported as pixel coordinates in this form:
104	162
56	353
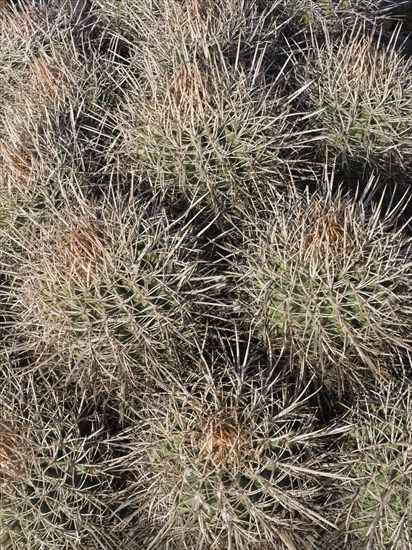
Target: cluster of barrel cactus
205	276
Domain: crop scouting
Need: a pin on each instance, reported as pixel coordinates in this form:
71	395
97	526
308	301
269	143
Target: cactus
208	137
361	93
41	158
55	114
228	469
178	324
380	447
19	49
197	123
329	284
53	485
311	13
101	289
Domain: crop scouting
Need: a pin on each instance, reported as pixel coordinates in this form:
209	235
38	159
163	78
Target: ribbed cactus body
228	475
327	286
101	296
207	136
381	450
299	298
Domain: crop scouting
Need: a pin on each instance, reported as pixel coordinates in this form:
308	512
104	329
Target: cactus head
329	284
228	471
211	136
101	290
381	481
362	94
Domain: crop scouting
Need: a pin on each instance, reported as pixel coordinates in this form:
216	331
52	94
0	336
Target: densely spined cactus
229	468
54	491
329	284
102	287
206	133
26	154
18	47
55	113
205	120
174	28
361	92
380	452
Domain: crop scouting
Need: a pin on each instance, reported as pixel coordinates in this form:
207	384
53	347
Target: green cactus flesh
196	485
300	302
197	157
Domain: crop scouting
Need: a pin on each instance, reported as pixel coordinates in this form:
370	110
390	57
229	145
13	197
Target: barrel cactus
206	135
234	468
361	93
207	115
53	485
380	447
55	113
328	283
100	288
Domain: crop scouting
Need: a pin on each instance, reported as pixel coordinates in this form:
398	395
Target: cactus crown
234	462
11	449
323	289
